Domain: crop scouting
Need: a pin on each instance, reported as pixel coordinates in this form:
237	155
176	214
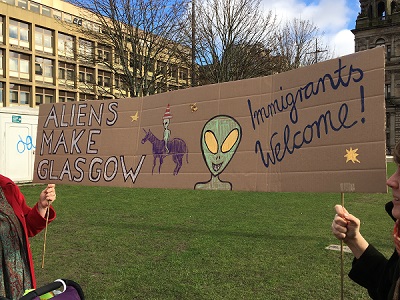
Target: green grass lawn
121	243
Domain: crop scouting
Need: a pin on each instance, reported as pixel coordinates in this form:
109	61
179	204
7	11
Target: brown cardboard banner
319	128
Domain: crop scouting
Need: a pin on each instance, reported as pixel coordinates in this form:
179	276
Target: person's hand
345	226
47	196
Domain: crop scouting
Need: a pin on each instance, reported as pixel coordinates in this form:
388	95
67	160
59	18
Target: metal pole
193	43
316	50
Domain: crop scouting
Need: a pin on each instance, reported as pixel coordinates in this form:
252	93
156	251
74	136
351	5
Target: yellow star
193	107
135	117
352	155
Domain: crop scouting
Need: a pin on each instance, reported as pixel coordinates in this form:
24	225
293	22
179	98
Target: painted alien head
165	123
220	138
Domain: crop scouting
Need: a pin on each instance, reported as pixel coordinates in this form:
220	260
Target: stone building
378	24
41	48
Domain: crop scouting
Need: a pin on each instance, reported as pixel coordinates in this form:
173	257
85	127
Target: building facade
378	24
40	57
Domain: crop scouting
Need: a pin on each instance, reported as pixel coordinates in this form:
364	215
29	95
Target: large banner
319	128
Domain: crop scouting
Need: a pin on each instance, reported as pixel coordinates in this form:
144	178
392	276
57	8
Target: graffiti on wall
25	144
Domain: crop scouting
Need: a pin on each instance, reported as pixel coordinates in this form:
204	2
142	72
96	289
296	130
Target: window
67	18
86	75
46	11
370	15
1	63
43	70
23	4
34	7
381	10
387	120
161	67
388	52
85	50
118	81
19	94
65	45
172	87
380	42
161	87
1	94
44	40
19	65
152	64
117	59
144	44
66	74
87	24
84	97
183	74
173	72
105	97
19	33
388	91
13	30
393	7
1	29
135	61
104	79
44	96
120	84
64	96
57	14
104	53
96	27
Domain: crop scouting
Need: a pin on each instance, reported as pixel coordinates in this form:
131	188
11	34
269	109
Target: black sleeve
374	272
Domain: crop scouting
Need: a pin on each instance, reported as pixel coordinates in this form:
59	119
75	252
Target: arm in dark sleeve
374	272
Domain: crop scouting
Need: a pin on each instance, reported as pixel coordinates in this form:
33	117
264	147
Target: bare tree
138	41
233	40
300	44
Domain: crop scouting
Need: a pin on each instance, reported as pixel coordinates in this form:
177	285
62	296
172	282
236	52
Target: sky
334	18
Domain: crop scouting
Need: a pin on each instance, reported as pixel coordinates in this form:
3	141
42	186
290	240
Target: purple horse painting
177	148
